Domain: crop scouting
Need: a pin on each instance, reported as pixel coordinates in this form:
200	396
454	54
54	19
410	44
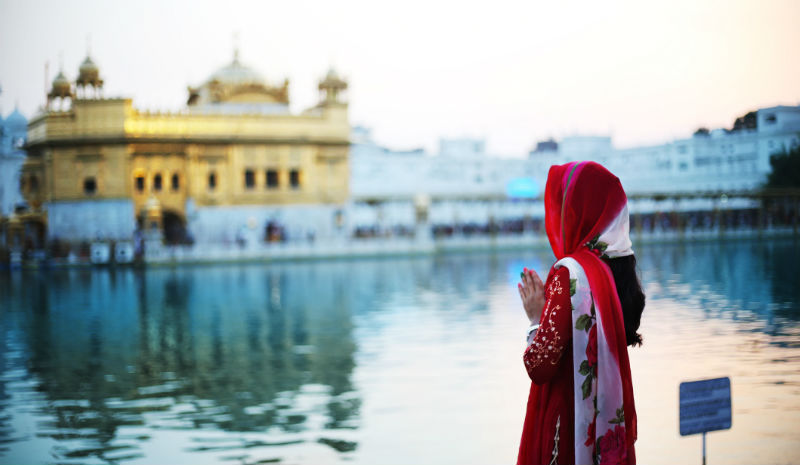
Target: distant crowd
772	215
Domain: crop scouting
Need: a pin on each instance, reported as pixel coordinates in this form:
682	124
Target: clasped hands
531	291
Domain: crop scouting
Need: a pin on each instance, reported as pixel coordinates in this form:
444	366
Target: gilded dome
61	86
332	74
89	73
236	74
333	81
332	86
88	66
237	88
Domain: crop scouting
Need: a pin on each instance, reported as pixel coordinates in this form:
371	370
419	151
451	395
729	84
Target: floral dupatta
585	212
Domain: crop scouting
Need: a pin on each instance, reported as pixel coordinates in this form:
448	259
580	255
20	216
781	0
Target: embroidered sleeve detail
545	351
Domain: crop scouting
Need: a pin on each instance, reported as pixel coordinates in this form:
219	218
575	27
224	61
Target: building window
249	179
272	179
139	183
157	182
89	186
294	179
212	181
34	184
176	182
22	183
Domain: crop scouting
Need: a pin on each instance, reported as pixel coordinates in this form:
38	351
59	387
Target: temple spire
236	47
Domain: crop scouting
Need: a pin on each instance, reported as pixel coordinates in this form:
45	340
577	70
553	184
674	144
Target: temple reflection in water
333	362
233	349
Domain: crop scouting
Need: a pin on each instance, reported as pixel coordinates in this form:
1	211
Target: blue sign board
522	188
705	406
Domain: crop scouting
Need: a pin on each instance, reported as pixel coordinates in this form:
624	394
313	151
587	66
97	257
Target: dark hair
630	294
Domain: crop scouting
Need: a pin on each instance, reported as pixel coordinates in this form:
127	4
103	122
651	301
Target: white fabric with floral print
596	380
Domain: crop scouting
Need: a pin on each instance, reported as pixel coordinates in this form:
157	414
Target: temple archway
174	228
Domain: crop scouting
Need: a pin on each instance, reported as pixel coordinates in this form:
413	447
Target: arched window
272	179
212	181
139	183
249	179
157	182
176	182
89	186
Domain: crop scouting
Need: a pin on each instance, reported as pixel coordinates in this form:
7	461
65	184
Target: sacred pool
373	361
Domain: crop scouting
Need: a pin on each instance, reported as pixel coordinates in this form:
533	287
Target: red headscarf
580	200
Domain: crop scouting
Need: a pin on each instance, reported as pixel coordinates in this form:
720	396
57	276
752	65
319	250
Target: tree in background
785	169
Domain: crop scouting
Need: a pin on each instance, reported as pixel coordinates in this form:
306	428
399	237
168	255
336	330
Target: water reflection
249	349
747	280
331	362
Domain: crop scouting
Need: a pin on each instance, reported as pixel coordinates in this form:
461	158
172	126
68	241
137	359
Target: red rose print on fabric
612	447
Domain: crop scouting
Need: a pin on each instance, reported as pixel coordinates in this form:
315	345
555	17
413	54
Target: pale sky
512	72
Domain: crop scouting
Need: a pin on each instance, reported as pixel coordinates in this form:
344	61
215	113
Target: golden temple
235	144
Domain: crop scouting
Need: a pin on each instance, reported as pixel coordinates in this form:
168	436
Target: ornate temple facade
234	160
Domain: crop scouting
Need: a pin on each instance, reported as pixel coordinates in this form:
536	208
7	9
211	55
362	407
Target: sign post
704	448
705	405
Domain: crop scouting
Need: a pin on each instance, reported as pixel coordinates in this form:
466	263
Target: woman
580	407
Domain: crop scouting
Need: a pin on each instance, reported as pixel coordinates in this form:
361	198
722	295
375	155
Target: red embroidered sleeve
544	353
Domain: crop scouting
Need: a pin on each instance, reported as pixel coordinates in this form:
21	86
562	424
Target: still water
386	361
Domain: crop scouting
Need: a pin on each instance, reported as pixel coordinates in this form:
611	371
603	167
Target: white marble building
717	161
463	184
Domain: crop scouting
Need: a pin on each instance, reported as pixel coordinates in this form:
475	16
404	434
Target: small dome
88	66
16	122
60	80
332	74
236	74
333	81
88	73
61	86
